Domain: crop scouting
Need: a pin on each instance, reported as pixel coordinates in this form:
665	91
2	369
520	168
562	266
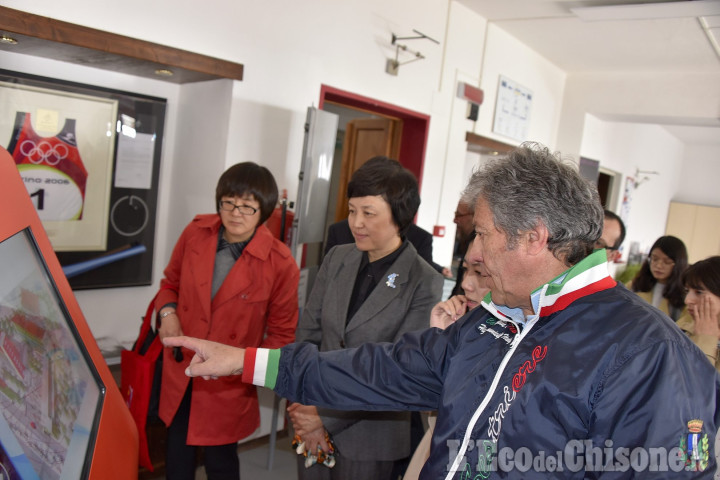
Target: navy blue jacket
598	380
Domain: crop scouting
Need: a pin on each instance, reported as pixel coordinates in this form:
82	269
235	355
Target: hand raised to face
707	316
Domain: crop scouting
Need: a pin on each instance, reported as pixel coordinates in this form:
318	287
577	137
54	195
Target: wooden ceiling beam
51	38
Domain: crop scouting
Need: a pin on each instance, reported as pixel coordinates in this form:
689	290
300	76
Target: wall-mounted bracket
393	65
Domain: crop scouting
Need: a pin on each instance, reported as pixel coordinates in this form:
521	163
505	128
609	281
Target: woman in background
702	284
373	290
659	281
231	281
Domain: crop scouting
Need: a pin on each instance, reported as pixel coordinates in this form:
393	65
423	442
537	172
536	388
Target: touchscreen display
50	392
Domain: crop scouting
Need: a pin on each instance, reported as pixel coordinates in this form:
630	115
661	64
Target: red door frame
415	125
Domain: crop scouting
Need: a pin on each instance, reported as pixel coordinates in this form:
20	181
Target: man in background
463	236
612	237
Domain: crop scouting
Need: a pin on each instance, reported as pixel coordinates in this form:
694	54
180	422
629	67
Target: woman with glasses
659	280
702	297
231	281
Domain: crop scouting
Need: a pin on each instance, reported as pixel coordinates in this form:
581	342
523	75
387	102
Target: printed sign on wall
512	109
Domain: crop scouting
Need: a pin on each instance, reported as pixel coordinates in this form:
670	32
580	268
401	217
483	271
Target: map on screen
50	394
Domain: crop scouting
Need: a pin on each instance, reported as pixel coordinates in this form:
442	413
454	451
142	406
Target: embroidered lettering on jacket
518	381
528	367
499	415
497	332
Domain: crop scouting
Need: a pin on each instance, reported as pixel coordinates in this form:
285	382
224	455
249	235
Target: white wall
626	148
508	57
690	99
445	157
203	112
501	54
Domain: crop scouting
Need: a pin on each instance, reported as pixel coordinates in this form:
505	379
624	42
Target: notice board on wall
512	109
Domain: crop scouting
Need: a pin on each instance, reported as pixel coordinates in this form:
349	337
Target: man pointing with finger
558	358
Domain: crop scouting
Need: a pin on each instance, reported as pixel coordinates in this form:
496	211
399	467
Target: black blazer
339	234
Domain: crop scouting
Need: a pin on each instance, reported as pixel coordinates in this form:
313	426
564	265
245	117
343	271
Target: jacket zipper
493	386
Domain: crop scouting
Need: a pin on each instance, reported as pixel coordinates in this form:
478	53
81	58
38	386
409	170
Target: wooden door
698	226
365	138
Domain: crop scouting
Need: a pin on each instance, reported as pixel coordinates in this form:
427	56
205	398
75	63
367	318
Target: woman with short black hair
373	290
230	280
702	297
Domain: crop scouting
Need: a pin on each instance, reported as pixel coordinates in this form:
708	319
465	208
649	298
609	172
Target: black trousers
221	461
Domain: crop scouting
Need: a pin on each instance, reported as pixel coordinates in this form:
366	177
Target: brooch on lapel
391	280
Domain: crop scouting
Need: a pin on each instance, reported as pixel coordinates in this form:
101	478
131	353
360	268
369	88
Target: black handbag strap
146	326
147	335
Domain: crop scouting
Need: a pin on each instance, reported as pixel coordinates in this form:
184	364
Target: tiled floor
254	461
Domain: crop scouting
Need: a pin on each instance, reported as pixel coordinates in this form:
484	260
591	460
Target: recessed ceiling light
7	40
649	11
164	72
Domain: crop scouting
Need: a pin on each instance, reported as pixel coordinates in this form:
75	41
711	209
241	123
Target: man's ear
537	239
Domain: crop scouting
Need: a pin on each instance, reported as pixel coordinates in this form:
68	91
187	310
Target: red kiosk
61	412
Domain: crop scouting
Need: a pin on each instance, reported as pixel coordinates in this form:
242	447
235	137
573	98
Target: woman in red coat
231	281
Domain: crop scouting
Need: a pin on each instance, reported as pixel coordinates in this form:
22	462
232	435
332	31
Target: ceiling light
7	40
649	11
164	72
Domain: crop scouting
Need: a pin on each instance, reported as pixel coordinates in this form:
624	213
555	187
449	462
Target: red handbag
137	367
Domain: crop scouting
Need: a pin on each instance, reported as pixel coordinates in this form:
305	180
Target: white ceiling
658	45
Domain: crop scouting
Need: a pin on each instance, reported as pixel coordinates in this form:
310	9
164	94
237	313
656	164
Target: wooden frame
484	145
50	38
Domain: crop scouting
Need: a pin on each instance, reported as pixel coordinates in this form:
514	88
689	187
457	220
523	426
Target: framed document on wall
512	109
90	159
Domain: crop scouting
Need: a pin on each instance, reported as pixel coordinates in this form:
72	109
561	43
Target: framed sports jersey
63	145
89	158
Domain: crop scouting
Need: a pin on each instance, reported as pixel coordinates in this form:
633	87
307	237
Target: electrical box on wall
474	97
472	111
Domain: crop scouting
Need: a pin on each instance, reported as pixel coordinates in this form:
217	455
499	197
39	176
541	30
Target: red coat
256	306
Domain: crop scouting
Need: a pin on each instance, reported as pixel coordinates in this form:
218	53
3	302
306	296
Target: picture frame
90	158
65	142
513	106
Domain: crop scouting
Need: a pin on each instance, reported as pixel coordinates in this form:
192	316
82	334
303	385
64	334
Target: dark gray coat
386	315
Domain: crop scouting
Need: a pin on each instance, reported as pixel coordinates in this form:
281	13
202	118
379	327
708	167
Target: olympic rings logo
44	152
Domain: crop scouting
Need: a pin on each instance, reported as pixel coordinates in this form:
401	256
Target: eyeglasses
661	261
600	243
229	206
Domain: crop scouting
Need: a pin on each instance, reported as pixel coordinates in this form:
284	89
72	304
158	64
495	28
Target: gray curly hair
532	186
